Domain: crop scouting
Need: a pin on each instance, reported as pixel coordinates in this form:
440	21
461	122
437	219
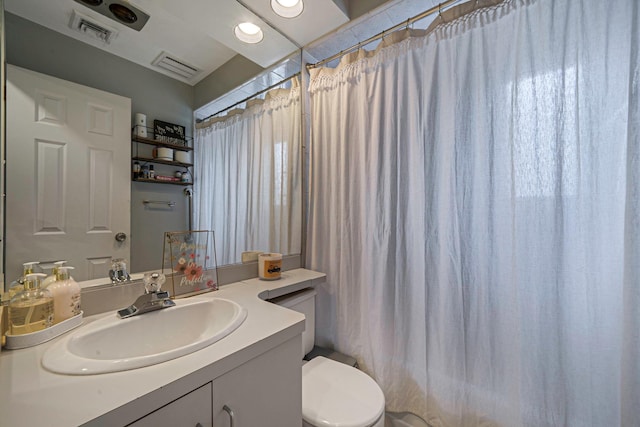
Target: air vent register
91	28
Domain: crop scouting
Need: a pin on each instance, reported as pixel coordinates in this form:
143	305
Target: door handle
231	414
121	237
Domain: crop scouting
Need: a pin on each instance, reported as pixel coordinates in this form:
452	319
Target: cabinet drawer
191	410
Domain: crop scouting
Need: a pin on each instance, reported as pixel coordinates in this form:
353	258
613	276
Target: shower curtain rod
253	96
406	23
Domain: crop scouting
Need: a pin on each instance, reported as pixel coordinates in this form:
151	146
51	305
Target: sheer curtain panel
247	186
475	204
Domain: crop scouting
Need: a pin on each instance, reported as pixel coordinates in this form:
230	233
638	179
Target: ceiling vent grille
91	28
176	66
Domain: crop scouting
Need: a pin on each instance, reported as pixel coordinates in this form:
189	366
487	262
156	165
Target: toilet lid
335	394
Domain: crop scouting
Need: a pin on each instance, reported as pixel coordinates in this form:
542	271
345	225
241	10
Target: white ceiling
197	32
383	17
200	33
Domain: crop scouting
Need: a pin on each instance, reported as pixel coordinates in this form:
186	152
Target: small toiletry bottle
145	172
18	284
152	172
66	296
49	271
136	169
32	309
54	274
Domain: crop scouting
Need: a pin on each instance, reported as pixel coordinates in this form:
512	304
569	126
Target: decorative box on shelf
169	133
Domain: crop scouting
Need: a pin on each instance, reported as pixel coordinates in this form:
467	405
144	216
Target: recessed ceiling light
92	2
123	13
248	32
287	8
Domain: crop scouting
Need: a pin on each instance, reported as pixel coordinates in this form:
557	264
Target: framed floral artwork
189	262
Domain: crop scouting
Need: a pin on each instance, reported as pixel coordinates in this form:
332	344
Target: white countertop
31	395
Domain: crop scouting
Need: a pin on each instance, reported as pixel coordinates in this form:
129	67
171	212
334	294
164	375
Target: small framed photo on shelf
169	133
189	262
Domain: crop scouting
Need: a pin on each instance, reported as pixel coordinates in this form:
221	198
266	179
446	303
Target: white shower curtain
475	203
247	187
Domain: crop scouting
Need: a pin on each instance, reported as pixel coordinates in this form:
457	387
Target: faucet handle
153	282
118	272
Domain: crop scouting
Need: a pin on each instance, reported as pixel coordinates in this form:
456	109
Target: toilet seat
335	394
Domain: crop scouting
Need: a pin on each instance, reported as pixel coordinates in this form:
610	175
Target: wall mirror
147	226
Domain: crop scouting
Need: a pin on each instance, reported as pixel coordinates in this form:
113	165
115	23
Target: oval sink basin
111	344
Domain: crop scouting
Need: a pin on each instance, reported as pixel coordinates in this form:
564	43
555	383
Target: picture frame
189	262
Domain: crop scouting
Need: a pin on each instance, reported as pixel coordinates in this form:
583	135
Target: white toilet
333	394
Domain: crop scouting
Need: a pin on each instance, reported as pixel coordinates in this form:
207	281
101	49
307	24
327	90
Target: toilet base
379	423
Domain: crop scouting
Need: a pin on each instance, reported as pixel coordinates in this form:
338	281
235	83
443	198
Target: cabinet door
265	391
191	410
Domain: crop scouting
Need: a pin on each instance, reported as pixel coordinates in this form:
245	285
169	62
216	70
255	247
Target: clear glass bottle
32	309
66	295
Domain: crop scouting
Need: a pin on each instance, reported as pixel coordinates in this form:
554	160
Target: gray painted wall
357	8
37	48
230	75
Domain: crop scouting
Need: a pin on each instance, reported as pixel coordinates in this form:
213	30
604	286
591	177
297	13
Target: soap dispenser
66	295
32	309
17	285
53	277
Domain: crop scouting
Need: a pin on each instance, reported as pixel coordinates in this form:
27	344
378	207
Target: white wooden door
68	180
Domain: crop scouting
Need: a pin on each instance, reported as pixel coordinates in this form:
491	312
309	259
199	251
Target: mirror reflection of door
68	190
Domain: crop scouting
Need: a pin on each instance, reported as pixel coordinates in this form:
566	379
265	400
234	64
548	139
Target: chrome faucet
153	299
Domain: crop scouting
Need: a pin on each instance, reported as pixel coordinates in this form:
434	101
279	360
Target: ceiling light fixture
92	2
287	8
123	13
120	11
248	32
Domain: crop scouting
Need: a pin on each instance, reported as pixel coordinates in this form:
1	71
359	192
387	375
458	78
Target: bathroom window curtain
247	186
475	204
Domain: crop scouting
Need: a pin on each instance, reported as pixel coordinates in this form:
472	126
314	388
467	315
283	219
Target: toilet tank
304	302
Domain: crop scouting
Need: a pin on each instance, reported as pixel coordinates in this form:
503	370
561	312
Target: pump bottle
32	309
18	285
66	295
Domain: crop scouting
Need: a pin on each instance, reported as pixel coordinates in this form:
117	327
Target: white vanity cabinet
256	372
265	391
192	409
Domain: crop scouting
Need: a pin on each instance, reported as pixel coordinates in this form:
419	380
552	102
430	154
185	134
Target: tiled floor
404	420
